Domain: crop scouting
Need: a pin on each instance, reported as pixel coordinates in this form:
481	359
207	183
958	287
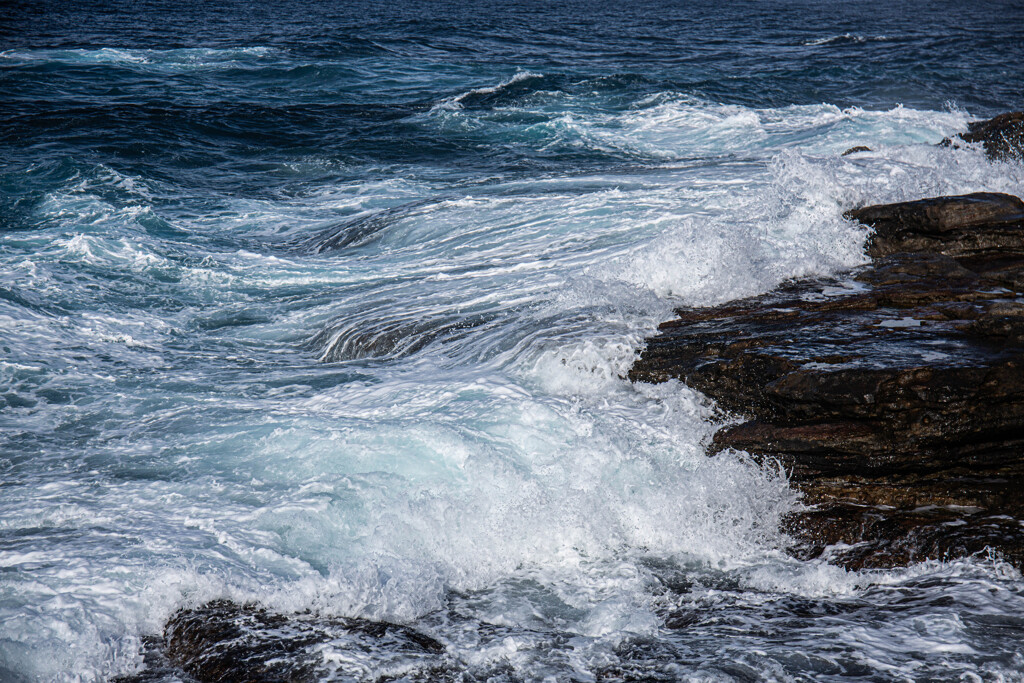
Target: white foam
455	102
484	438
191	57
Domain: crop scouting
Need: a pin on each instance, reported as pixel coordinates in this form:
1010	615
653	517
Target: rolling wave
366	358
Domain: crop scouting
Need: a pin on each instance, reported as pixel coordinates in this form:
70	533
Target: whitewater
392	386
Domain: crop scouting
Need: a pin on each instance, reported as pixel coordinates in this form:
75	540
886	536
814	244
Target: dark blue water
343	82
326	306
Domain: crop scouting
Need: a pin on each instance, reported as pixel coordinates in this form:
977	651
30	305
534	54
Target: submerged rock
223	641
895	387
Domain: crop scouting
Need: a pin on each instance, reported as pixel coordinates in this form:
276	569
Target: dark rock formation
861	536
896	387
223	641
1001	136
984	225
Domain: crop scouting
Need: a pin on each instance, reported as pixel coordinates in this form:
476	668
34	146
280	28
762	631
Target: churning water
328	306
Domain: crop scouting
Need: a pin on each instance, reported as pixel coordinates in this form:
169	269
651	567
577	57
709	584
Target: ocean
327	307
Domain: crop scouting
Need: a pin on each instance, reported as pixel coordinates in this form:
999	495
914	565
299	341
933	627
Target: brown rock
947	225
1002	136
894	387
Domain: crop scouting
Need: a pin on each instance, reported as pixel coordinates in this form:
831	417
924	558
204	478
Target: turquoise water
328	307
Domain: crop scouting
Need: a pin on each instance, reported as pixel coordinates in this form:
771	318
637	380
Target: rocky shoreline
894	394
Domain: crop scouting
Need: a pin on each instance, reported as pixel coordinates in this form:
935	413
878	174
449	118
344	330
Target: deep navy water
327	306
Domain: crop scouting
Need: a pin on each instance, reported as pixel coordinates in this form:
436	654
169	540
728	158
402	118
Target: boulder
1002	136
983	224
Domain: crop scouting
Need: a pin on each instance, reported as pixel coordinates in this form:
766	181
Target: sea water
328	306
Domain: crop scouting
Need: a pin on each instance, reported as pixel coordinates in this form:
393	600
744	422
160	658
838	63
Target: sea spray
284	325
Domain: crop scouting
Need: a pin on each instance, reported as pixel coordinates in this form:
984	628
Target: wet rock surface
1002	136
863	536
985	227
224	641
894	394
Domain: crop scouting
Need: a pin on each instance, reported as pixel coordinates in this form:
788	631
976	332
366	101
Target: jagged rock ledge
893	393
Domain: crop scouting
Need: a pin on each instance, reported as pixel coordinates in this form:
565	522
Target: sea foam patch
431	423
